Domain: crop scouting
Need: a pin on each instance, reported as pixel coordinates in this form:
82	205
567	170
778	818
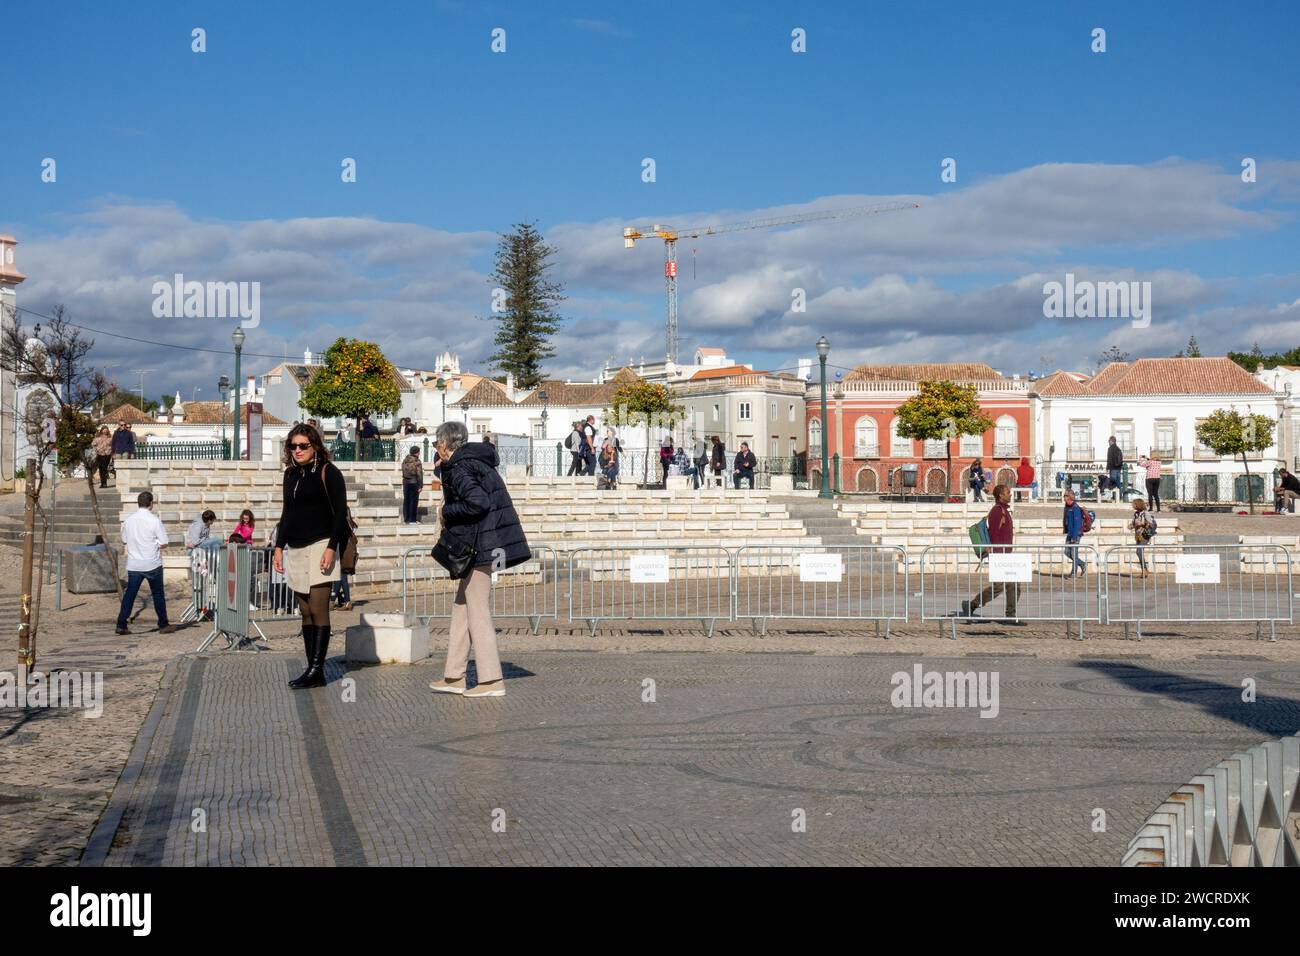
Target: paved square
574	768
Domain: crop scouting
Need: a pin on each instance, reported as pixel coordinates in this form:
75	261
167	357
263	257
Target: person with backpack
700	456
1072	523
574	444
1001	537
1143	527
412	485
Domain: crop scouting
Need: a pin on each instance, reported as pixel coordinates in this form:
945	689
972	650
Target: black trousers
577	467
1153	494
410	502
101	462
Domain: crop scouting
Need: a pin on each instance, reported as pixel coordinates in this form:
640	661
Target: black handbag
456	553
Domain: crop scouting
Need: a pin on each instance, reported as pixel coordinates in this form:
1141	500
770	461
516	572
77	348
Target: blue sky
225	165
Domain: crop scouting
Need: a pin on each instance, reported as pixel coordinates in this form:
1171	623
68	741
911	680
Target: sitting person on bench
1287	490
1025	478
745	464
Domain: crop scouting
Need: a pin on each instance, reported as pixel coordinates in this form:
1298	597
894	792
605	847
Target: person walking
977	479
700	456
1115	466
745	464
718	460
1152	468
123	441
1072	525
412	485
1143	527
589	437
1001	536
665	459
476	513
1287	490
145	537
102	445
574	444
313	530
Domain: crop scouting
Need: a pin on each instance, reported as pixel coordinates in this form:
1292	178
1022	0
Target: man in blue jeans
145	537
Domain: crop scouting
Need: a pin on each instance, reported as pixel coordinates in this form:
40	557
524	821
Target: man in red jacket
1001	532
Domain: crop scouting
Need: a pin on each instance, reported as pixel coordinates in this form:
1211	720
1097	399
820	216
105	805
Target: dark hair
209	515
252	522
322	453
235	538
144	499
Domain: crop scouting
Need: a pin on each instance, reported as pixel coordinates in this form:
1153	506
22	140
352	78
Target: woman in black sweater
312	532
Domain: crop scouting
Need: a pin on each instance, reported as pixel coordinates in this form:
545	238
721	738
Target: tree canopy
356	380
526	305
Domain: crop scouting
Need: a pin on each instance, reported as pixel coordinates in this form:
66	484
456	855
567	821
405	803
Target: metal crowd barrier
528	590
664	583
269	597
1193	582
1029	581
856	582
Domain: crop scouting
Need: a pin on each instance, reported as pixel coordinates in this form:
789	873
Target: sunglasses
300	446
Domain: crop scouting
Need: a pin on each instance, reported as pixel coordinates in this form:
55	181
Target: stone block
680	483
88	570
387	639
516	473
782	484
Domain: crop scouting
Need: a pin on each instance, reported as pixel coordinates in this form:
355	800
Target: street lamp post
223	386
543	396
237	337
823	349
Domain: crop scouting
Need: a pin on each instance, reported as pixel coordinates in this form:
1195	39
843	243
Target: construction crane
670	236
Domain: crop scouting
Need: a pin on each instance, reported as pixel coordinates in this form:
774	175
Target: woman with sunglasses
313	529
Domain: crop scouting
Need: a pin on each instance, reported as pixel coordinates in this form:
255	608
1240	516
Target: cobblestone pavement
575	767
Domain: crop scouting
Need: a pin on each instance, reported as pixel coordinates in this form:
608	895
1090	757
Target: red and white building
863	427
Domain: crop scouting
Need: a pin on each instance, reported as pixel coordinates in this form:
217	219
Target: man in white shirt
145	537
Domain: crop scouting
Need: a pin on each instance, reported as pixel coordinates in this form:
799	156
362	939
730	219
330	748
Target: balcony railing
900	450
866	451
934	449
1204	454
1006	450
1165	453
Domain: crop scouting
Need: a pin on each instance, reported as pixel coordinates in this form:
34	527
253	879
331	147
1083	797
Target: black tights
315	605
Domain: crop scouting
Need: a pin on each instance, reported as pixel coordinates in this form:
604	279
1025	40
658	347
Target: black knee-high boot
309	647
315	675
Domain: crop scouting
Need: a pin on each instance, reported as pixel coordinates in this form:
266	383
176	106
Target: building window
539	430
972	446
745	411
815	436
481	425
716	411
1125	437
1081	441
1203	452
866	438
771	411
1006	439
791	412
1166	440
899	447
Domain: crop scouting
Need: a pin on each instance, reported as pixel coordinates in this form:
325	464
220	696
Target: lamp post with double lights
823	349
545	398
237	337
223	387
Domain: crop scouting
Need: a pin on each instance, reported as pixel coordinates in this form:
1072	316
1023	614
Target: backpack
568	442
979	537
1088	518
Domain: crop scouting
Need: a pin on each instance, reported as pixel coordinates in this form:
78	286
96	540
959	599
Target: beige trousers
471	625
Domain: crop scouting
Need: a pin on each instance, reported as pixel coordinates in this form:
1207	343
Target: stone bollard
680	483
516	473
88	570
782	484
387	639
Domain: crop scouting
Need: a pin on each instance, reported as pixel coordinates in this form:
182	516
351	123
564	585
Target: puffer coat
476	503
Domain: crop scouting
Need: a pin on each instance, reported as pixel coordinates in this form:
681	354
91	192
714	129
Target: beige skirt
302	567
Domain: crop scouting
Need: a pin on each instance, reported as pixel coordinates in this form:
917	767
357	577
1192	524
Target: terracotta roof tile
726	372
1060	383
1102	381
1184	376
127	413
210	413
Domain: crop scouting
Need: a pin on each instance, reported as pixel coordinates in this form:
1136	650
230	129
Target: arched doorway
936	482
867	480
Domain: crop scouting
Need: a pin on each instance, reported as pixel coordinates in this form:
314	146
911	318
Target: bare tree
51	358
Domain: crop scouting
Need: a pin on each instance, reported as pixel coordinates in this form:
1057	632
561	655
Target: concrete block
387	639
88	570
782	484
516	473
680	483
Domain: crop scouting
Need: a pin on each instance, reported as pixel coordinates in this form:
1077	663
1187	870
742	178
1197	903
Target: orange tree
355	381
644	403
942	410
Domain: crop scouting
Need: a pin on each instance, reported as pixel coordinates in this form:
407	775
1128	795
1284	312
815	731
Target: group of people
110	446
981	477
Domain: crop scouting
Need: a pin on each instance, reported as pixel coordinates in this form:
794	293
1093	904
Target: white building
1285	380
10	439
1152	406
671	373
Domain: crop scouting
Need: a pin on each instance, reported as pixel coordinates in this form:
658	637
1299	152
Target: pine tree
527	318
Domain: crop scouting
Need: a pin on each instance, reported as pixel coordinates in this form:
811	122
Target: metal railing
182	450
1198	583
668	583
529	590
1033	582
842	582
367	449
269	597
1006	449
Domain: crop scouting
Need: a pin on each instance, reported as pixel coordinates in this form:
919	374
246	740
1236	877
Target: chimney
510	386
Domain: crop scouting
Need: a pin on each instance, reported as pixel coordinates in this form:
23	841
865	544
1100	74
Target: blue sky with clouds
225	166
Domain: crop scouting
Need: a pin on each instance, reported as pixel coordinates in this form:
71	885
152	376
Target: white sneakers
496	688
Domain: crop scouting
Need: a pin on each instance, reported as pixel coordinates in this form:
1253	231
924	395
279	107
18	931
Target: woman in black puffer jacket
476	506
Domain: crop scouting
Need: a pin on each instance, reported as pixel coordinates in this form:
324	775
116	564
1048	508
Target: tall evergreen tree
527	318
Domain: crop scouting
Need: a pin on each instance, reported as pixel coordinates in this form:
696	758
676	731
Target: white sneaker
444	686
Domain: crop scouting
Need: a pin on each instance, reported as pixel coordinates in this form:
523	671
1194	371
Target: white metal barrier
1199	583
529	590
667	583
836	582
1034	581
269	597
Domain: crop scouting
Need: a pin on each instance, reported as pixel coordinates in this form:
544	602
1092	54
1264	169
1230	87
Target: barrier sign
649	568
232	619
821	568
1196	569
1011	568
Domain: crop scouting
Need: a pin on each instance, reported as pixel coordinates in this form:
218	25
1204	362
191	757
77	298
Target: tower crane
670	236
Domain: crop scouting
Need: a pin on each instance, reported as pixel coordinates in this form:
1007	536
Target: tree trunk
109	546
947	475
1250	490
29	547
